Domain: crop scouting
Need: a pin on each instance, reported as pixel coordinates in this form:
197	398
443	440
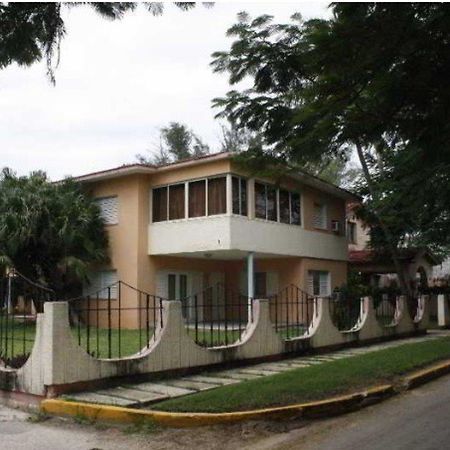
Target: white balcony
225	237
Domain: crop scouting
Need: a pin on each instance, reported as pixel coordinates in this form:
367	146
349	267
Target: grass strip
314	382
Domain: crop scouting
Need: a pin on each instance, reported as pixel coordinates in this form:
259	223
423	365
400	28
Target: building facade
177	229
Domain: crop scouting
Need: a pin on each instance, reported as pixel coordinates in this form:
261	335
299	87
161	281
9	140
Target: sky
118	83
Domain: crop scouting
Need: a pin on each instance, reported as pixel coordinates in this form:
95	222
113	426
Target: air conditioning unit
335	226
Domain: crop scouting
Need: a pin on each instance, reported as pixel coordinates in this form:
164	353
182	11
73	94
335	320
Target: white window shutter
162	288
272	283
324	282
311	282
320	216
109	210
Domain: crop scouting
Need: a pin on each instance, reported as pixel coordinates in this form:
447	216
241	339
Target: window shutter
319	217
311	282
109	210
162	285
272	283
109	278
324	283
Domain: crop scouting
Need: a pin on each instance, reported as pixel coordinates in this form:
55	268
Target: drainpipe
250	281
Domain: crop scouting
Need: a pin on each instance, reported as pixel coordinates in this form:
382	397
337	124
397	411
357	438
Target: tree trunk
403	278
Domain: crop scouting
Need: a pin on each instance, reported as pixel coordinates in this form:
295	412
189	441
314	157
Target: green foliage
32	31
314	382
49	232
177	143
373	78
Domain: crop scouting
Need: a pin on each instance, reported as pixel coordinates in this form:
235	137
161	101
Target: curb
318	409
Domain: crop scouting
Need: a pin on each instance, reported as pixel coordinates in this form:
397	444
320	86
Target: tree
52	233
176	143
235	139
32	31
374	79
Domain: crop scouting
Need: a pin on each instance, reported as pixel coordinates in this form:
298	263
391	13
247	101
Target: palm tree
52	233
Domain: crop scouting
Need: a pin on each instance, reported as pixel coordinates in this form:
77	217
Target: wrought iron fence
345	310
216	316
116	321
385	304
291	311
20	301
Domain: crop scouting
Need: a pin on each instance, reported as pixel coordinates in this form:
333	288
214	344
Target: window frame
278	212
324	207
241	180
327	273
186	197
108	197
351	232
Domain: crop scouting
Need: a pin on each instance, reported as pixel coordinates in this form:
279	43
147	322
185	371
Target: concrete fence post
443	310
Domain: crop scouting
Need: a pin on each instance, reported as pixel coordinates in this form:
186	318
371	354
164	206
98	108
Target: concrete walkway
143	394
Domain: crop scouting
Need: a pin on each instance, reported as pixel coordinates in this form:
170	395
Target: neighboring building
179	228
379	270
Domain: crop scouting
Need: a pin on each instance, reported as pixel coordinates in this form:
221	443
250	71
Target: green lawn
314	382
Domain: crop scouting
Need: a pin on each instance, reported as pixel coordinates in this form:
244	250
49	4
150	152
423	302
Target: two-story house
179	228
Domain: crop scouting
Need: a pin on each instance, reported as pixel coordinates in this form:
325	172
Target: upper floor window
239	189
277	205
351	232
319	283
109	209
320	216
197	198
204	197
217	196
266	204
290	211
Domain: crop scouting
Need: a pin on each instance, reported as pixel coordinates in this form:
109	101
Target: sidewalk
140	395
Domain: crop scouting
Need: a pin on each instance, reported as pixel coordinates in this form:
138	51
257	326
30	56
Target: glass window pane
295	208
260	201
236	201
172	286
271	203
217	196
197	198
284	207
243	197
159	204
176	202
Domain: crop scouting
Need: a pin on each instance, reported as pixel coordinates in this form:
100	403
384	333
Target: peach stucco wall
129	238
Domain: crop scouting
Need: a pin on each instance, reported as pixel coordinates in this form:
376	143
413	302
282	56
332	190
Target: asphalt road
417	420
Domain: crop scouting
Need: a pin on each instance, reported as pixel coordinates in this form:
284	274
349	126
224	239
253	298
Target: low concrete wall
58	362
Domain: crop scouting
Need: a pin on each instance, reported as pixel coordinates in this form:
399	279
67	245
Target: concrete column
229	195
250	282
443	310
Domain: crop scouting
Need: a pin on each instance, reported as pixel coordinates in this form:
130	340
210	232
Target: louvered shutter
109	279
324	283
162	288
109	210
271	283
319	216
311	282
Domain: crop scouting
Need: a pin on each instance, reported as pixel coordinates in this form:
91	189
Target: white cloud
117	83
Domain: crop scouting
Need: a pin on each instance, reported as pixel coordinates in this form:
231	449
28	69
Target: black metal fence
116	321
345	310
385	304
217	316
412	305
20	300
291	311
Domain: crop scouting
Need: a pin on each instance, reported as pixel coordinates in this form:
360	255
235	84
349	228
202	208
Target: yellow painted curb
337	405
430	373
